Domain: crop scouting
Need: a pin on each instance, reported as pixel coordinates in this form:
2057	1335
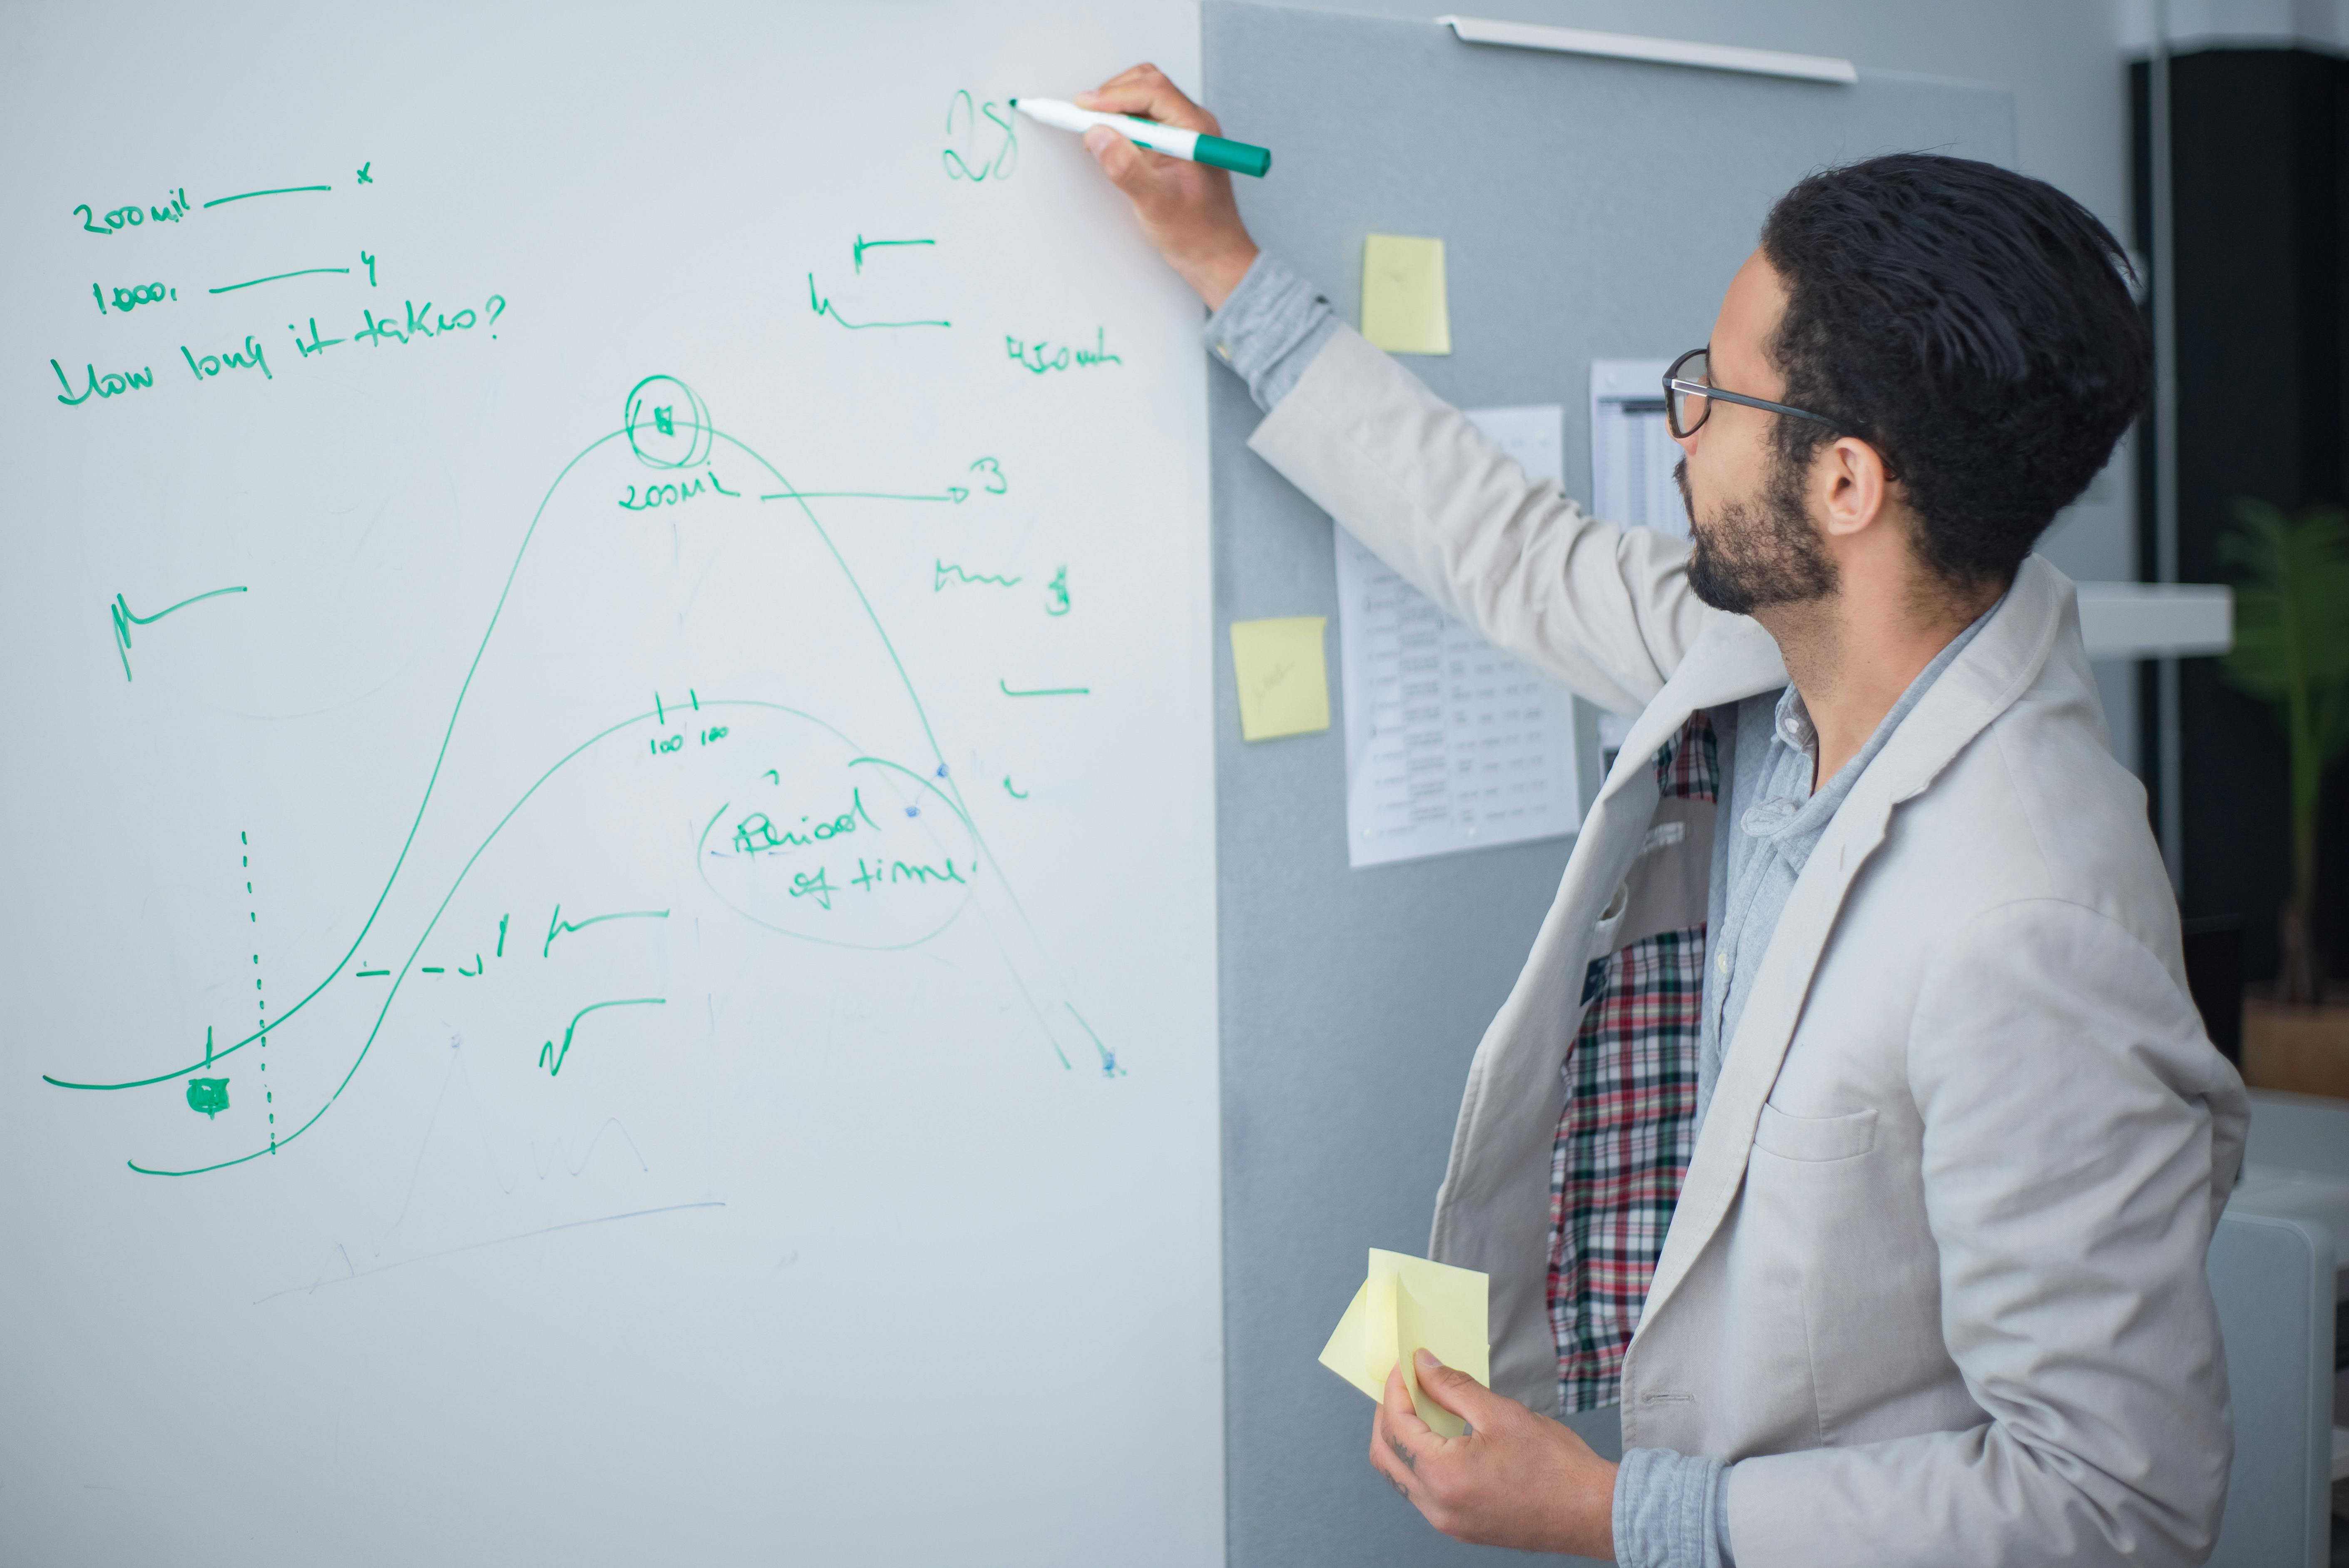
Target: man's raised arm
1605	609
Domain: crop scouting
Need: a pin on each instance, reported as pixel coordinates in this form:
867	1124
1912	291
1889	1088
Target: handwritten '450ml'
1038	356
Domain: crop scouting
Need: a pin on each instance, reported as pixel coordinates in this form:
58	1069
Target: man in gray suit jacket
1850	1123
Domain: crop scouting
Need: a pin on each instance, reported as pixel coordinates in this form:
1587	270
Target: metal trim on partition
1659	51
2170	767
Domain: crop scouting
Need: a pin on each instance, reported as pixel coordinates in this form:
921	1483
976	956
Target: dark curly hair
1974	326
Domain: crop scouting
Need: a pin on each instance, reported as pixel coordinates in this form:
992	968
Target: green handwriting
277	277
250	358
558	926
963	115
1039	357
280	191
131	299
823	306
991	481
756	833
1045	691
672	494
1056	597
954	494
944	574
130	217
817	885
864	244
124	620
551	1059
114	383
890	872
422	322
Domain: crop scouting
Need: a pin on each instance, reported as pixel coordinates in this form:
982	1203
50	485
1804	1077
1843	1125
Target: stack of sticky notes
1406	1305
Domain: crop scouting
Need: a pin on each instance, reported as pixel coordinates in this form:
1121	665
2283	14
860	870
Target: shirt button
1720	962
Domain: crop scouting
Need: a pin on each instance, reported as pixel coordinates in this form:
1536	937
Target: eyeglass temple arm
1697	389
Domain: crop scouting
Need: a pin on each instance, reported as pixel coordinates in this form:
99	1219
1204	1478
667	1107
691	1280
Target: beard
1759	552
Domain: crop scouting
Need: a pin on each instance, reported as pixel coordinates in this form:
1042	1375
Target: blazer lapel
1982	683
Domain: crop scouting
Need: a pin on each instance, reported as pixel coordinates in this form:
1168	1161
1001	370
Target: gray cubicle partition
1589	208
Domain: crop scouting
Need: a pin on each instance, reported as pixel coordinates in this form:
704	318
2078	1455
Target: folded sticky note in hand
1408	1304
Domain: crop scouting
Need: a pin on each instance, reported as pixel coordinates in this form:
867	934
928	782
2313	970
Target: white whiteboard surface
786	1216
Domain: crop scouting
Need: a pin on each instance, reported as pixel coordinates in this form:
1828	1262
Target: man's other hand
1515	1479
1186	208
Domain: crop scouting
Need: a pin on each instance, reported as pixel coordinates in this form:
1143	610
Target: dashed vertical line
260	997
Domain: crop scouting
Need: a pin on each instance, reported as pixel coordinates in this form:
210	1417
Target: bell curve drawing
803	793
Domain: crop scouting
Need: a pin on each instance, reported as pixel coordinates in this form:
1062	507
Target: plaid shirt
1629	1123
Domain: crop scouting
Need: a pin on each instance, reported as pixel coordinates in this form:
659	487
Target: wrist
1596	1537
1213	274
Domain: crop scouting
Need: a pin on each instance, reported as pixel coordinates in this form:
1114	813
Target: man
1864	976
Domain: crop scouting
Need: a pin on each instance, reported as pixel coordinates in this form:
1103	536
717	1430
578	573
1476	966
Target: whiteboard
611	945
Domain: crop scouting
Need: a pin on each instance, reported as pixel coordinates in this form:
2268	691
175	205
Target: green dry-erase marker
1236	156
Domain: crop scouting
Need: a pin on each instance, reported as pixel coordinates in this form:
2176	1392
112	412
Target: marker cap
1239	157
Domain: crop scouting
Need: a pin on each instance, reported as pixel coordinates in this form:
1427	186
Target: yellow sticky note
1405	1304
1403	305
1284	684
1348	1353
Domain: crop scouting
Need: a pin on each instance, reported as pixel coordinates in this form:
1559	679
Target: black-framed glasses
1688	397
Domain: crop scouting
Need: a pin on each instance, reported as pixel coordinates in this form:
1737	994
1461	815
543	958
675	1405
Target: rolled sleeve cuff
1269	329
1672	1510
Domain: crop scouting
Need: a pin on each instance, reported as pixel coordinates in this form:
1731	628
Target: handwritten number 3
996	483
962	112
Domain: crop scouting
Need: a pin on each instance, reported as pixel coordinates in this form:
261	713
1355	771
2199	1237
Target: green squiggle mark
1008	790
558	926
823	306
281	191
1045	691
954	494
279	277
864	244
946	574
124	620
548	1051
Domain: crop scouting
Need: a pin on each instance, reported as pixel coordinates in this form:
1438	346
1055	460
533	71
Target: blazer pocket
1815	1137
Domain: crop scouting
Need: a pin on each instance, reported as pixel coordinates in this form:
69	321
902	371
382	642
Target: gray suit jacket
1935	1280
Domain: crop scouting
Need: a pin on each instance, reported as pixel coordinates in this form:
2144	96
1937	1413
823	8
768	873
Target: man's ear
1849	484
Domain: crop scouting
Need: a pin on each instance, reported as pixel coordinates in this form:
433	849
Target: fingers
1144	91
1453	1389
1131	73
1398	1410
1119	159
1392	1454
